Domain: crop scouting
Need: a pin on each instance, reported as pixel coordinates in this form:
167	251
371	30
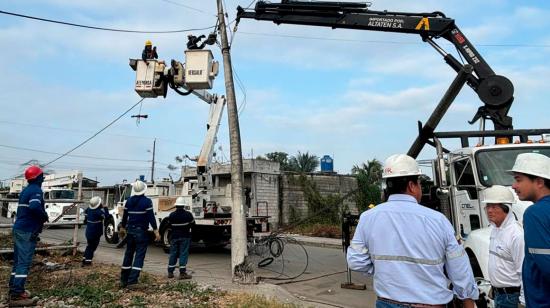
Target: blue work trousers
24	246
136	247
506	300
179	248
92	243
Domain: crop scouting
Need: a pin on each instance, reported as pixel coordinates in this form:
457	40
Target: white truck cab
460	176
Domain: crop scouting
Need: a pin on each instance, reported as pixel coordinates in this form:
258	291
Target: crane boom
495	91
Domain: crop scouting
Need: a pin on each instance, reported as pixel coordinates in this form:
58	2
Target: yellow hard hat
148	43
371	206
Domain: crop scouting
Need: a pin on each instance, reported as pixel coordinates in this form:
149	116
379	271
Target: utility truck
209	204
459	175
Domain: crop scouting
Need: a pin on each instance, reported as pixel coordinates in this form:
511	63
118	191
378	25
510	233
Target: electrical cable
385	41
86	131
94	135
73	155
188	7
100	28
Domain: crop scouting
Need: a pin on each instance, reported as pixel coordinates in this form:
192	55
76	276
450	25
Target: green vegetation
369	176
301	162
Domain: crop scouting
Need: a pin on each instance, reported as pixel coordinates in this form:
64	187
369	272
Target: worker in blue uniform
95	215
411	250
181	223
531	173
138	215
29	221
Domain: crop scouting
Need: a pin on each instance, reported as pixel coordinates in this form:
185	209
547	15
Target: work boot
170	275
135	287
184	275
86	263
22	299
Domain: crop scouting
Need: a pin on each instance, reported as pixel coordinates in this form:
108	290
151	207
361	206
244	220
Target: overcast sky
354	95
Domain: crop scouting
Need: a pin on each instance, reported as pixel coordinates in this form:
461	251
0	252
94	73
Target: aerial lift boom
495	91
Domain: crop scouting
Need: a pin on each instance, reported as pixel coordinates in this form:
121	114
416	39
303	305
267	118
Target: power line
384	41
94	135
188	7
88	131
99	28
72	155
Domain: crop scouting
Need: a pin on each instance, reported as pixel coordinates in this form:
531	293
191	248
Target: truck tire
111	234
165	231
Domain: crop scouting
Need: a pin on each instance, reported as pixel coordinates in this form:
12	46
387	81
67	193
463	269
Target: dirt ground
58	280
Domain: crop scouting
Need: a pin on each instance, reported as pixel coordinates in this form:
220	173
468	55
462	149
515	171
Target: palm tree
304	162
368	177
372	169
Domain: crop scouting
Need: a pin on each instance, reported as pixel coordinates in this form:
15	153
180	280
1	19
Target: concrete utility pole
153	162
242	272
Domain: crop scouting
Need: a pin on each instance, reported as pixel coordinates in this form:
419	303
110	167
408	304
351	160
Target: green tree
280	157
304	162
368	176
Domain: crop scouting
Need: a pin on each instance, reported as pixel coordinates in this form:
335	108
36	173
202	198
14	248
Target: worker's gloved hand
157	235
122	232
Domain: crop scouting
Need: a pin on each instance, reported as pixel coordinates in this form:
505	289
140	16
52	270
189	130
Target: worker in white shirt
409	247
506	249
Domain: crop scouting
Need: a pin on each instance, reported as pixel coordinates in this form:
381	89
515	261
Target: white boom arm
207	150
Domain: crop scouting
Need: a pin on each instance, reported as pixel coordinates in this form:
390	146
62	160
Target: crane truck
459	175
211	213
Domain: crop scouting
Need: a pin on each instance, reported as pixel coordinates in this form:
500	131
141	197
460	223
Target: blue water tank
327	164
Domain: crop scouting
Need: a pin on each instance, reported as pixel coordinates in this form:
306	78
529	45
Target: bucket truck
212	215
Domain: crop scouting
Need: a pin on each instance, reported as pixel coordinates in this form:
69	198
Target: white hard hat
400	165
180	201
139	188
95	202
498	194
532	163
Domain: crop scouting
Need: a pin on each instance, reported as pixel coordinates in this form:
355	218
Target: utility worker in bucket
410	249
532	183
181	222
95	215
149	52
30	219
138	215
506	248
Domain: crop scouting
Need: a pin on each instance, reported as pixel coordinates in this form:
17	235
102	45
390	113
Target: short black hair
398	185
533	177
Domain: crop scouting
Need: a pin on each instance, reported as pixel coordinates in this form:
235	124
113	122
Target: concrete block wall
265	196
294	201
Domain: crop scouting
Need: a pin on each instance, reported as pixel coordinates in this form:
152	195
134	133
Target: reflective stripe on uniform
408	259
182	224
149	209
539	251
37	200
136	212
136	268
172	266
95	222
23	205
20	276
456	254
125	267
359	248
494	253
